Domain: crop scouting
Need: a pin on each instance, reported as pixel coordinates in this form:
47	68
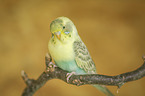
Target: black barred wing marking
83	58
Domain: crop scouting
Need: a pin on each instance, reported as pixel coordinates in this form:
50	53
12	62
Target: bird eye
63	27
66	32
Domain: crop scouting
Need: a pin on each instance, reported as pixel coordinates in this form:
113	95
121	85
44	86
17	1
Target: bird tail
104	90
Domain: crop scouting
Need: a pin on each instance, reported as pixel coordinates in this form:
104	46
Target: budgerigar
68	50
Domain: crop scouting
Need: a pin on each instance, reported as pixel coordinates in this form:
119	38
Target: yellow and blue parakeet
68	50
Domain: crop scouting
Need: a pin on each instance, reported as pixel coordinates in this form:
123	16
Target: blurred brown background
114	33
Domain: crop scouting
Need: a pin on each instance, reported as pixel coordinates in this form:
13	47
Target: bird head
63	29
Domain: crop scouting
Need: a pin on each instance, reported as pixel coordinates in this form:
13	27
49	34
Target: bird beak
58	34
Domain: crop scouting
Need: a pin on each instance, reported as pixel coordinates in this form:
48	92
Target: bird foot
52	65
68	75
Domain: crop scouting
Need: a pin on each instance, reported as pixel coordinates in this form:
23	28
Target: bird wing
83	58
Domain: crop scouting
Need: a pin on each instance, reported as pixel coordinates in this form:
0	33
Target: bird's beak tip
58	34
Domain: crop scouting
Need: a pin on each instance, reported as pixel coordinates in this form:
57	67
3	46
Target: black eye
63	27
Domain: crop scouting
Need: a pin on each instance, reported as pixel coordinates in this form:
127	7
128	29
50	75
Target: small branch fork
53	72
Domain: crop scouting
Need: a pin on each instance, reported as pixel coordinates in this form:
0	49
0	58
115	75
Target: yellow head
63	29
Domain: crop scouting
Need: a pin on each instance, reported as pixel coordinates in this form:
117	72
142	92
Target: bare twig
53	71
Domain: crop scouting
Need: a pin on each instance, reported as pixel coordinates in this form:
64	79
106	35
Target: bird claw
52	65
68	75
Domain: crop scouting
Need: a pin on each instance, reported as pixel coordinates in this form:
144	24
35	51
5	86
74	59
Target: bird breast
61	51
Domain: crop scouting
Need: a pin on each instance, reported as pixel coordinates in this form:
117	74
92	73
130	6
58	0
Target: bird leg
68	75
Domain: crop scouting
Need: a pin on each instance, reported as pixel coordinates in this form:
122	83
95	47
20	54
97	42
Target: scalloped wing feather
83	58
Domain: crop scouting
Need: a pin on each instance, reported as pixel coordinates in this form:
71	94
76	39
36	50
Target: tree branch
53	72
